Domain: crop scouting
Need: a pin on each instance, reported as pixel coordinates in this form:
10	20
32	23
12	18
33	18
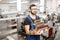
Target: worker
29	21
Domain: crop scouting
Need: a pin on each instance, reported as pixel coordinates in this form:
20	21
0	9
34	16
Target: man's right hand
38	32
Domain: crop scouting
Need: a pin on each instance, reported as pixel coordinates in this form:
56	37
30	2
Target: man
29	23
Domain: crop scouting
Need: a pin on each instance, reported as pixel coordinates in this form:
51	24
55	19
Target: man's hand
39	32
46	30
31	32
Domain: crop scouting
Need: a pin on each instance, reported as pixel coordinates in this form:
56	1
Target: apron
32	27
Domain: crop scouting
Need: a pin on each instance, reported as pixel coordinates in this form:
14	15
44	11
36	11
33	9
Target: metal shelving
8	8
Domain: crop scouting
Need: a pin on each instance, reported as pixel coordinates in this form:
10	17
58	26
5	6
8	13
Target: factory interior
14	12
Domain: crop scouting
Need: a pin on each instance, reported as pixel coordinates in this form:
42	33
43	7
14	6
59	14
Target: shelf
12	25
7	13
25	2
8	1
3	19
12	2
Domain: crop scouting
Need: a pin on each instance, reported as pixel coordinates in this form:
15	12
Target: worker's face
33	10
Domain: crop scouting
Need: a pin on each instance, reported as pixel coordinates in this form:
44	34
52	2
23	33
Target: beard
33	13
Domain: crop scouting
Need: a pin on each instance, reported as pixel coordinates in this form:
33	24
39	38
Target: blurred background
13	13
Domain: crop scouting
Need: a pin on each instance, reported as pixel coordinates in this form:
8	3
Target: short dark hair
32	6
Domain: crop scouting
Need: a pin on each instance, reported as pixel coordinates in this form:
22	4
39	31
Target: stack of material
47	31
37	22
40	27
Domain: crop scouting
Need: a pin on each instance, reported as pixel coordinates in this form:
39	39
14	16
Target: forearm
30	32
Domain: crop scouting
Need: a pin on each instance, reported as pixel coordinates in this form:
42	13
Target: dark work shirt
27	21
